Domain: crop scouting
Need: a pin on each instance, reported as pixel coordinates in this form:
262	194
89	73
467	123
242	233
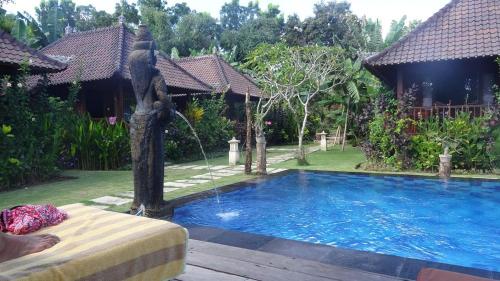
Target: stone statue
153	111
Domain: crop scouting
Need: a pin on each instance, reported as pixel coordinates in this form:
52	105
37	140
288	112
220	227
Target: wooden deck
215	262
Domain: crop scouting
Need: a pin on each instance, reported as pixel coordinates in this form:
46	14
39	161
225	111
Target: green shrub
212	127
468	139
389	142
30	138
97	144
496	146
380	139
281	127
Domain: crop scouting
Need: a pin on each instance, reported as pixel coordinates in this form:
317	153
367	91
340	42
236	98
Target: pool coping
401	267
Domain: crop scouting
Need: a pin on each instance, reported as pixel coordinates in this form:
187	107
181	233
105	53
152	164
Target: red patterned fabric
30	218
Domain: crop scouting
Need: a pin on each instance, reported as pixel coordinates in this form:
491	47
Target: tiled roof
13	52
462	29
217	73
101	53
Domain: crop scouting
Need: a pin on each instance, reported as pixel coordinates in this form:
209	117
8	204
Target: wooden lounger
102	245
431	274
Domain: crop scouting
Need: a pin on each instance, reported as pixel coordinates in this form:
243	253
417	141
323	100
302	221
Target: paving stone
188	167
205	176
238	168
281	149
194	181
225	174
227	171
200	167
129	194
102	207
221	175
277	171
177	184
169	189
218	167
111	200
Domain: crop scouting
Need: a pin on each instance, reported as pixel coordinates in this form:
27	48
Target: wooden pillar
400	84
487	82
118	100
81	105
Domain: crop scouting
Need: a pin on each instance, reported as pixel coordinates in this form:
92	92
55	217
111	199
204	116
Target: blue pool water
455	222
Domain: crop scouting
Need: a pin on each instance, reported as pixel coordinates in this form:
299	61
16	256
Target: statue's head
142	60
144	42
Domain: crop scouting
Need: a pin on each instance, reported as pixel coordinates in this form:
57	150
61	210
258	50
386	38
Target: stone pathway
111	200
217	172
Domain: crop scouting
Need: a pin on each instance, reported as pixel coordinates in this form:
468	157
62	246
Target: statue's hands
165	111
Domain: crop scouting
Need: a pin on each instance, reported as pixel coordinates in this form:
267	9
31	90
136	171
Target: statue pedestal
165	211
444	166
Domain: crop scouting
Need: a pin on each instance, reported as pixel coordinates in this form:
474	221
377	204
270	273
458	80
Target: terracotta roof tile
217	73
101	53
13	52
462	29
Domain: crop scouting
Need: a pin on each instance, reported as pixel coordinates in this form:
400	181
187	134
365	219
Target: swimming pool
455	221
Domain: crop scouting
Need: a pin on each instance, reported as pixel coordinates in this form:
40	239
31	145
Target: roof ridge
185	71
195	58
221	70
421	26
80	33
121	43
241	73
30	50
100	29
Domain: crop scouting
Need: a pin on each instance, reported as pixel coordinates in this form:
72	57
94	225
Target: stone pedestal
234	152
323	141
444	165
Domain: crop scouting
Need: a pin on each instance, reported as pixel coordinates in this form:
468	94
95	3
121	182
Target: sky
384	10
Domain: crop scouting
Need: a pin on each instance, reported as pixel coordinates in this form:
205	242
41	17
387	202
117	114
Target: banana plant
27	30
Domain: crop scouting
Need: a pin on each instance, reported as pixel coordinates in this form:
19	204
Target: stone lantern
234	151
323	141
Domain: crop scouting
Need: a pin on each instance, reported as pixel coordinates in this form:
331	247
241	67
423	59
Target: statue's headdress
142	60
144	39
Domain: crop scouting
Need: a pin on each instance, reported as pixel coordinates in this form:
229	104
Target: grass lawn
92	184
346	161
86	185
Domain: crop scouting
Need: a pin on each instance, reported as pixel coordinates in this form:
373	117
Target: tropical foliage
296	76
42	134
207	116
390	145
96	144
240	28
468	138
30	133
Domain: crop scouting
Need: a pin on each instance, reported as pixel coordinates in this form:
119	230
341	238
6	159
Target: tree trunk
345	126
260	139
301	153
248	150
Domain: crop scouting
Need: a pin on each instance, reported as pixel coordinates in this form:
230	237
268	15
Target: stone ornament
234	151
153	111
